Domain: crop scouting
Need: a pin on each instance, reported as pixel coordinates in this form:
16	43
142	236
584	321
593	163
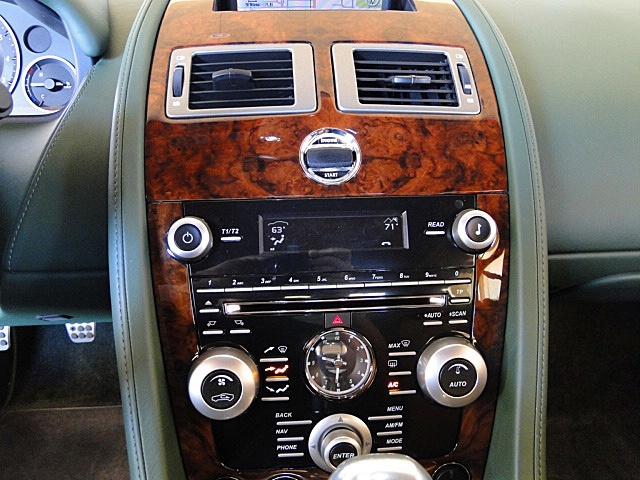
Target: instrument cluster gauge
339	363
9	56
50	83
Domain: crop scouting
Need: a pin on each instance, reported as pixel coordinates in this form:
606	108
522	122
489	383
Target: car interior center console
328	221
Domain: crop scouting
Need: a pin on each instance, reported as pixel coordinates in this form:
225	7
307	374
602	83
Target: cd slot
309	305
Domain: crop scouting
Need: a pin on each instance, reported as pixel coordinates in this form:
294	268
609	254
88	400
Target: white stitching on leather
536	176
128	379
542	276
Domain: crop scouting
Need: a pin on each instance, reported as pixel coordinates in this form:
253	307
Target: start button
330	156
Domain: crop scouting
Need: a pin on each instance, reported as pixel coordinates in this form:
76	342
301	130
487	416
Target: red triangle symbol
337	320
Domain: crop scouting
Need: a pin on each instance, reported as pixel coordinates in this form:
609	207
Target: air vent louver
404	78
399	78
242	80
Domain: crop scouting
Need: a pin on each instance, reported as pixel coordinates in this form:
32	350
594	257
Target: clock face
339	363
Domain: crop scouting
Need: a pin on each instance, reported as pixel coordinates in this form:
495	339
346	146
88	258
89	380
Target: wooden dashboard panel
258	157
255	157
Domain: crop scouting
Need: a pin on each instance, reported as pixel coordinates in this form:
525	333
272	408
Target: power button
189	239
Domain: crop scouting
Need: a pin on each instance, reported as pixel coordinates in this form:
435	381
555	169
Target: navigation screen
371	231
244	5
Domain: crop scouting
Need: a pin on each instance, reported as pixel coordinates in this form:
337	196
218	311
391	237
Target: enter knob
474	231
338	438
340	445
452	372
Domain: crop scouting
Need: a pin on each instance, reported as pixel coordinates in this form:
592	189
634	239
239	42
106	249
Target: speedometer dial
339	363
9	56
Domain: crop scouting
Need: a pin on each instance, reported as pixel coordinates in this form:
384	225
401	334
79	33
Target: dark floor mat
63	444
53	372
593	419
594	446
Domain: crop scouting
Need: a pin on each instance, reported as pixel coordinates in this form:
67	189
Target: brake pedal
5	338
81	332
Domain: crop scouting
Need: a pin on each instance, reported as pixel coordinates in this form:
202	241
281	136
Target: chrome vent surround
403	78
238	80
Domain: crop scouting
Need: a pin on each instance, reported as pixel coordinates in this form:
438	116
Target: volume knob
474	231
223	382
452	372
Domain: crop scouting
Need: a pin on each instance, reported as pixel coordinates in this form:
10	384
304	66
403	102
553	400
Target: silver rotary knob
474	231
223	382
338	438
452	372
189	239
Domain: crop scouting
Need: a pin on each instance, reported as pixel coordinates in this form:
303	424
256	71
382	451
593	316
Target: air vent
403	79
241	80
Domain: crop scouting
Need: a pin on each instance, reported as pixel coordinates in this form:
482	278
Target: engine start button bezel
330	156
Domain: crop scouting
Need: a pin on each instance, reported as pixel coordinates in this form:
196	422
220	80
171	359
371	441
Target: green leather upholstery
518	441
87	21
53	200
151	436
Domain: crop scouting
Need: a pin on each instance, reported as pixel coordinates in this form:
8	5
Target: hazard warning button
337	319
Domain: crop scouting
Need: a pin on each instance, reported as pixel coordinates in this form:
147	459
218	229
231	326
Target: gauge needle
51	84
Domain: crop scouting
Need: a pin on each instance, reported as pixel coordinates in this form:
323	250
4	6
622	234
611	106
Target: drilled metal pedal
81	332
5	338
